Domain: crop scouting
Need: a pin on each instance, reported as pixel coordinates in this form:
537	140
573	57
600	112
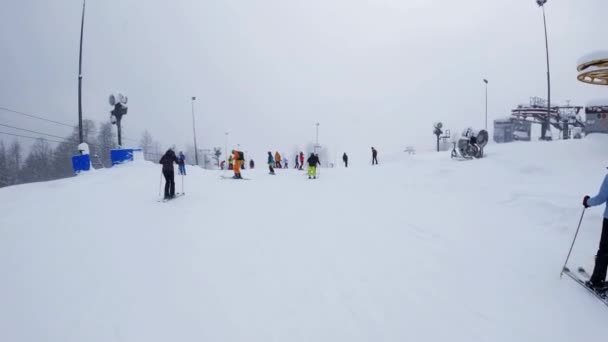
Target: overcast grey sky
371	72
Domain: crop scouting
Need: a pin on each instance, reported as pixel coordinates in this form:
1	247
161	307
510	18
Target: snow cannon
471	144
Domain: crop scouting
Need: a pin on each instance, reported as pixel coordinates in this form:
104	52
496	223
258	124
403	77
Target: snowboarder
271	162
313	161
167	161
374	156
345	159
277	160
301	160
251	164
182	163
297	161
598	278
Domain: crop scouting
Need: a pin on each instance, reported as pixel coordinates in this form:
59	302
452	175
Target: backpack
241	156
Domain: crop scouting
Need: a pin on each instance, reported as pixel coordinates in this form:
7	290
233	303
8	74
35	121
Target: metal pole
118	126
194	132
80	77
486	82
317	139
575	235
226	149
547	123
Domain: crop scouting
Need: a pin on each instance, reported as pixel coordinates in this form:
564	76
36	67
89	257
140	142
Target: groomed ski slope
422	248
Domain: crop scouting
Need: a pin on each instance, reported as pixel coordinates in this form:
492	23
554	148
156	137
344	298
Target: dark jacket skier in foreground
167	161
598	278
313	161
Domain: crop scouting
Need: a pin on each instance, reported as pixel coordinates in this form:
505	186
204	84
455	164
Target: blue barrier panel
121	156
81	163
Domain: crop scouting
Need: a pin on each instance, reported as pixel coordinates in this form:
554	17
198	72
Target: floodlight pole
546	125
80	134
194	132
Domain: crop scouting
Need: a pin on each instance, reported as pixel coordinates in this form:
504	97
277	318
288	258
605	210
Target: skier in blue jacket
271	162
182	163
598	278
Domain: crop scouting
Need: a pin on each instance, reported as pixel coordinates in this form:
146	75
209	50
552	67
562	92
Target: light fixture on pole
546	125
194	132
80	135
486	82
119	102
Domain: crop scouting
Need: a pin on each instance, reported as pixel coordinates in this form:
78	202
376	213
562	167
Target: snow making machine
470	145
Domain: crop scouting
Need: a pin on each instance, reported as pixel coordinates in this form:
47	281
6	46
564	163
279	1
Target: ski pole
573	241
160	183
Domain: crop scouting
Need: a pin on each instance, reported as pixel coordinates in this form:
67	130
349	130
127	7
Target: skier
251	164
297	161
277	160
237	164
301	160
345	159
285	163
374	156
167	161
182	163
223	164
230	162
313	161
270	163
598	278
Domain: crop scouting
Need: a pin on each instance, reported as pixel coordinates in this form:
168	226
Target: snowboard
177	195
602	296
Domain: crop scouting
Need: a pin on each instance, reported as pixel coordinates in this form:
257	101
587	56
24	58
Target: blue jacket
601	197
270	159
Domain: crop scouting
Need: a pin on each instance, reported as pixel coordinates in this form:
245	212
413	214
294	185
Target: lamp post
317	138
486	82
194	132
226	148
81	138
546	124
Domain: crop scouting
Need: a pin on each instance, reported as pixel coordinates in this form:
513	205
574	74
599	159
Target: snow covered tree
13	162
217	153
147	145
38	163
105	142
4	178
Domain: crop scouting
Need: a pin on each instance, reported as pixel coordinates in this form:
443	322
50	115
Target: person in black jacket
167	161
374	156
313	161
345	159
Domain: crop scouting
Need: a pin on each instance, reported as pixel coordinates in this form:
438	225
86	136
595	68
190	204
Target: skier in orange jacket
237	164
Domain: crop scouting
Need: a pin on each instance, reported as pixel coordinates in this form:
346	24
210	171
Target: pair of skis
228	177
602	295
177	195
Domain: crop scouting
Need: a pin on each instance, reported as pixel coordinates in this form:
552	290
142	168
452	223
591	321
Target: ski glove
585	202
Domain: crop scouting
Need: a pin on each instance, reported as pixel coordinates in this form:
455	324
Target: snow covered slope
420	249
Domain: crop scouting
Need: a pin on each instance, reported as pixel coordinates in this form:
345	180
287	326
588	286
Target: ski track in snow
420	248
